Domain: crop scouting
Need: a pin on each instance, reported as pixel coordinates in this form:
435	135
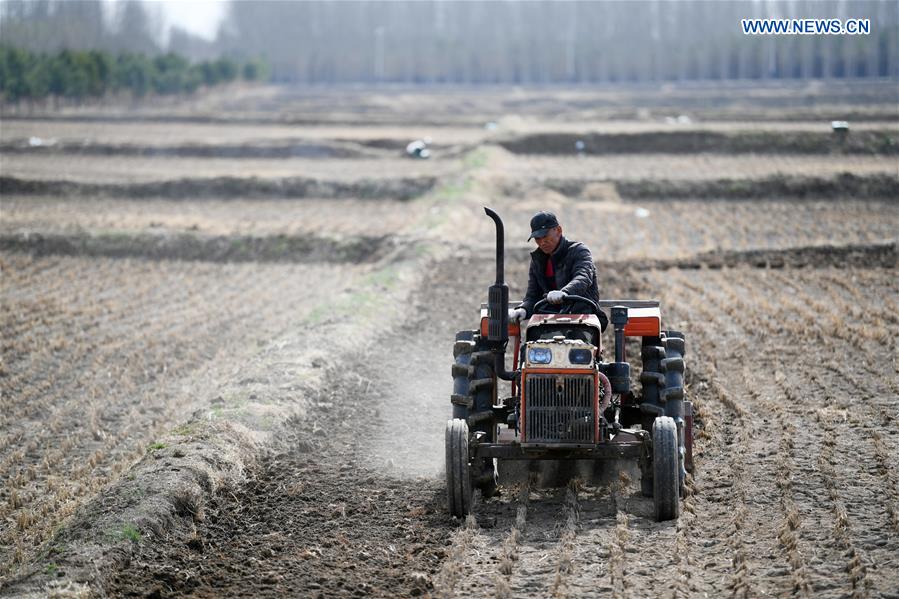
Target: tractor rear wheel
652	380
462	367
473	392
458	472
674	367
665	467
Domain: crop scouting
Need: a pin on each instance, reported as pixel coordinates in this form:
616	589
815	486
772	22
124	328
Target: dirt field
218	396
128	170
312	216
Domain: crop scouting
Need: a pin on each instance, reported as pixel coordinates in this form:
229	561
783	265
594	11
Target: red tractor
566	404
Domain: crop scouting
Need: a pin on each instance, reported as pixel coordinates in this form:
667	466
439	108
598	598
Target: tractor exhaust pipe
498	305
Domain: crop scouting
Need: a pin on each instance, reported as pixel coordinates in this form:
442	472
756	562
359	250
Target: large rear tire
652	381
473	393
675	398
458	472
665	467
462	368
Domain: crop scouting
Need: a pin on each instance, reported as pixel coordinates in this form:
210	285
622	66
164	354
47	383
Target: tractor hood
564	319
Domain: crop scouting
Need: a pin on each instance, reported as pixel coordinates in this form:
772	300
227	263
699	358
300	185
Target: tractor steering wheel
568	302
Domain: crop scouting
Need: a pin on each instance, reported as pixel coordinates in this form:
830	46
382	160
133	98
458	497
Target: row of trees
509	42
545	41
94	74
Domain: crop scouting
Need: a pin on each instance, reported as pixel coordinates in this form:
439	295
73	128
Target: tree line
548	42
93	74
518	42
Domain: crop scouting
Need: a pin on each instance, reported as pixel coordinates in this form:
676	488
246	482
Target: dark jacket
575	274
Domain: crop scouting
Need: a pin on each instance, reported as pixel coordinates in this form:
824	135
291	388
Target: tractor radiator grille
559	409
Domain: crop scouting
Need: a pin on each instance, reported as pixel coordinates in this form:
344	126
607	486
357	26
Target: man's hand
555	297
516	314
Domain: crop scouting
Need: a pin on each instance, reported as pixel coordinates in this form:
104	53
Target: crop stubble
128	169
312	216
774	359
690	167
100	356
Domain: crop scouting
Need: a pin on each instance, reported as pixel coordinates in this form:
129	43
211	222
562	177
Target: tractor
566	404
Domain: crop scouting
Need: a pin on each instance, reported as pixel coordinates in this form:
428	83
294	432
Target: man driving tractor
559	267
570	407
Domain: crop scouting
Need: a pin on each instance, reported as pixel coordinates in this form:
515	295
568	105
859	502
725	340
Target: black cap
541	223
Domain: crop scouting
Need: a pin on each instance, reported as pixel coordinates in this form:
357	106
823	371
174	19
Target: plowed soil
127	133
675	167
91	169
312	216
101	355
794	491
789	308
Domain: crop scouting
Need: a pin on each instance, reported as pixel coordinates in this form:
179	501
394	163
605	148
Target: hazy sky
200	17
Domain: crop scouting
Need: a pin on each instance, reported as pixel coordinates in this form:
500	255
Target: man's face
549	242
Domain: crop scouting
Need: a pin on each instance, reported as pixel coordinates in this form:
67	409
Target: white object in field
579	145
680	119
641	212
418	149
842	126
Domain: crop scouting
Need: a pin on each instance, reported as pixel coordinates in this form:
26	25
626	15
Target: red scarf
550	272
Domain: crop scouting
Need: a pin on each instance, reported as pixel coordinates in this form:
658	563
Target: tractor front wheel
458	471
665	469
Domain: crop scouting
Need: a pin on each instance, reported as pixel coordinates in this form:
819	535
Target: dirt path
317	519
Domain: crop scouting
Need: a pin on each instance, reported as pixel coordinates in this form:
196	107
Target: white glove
555	297
516	314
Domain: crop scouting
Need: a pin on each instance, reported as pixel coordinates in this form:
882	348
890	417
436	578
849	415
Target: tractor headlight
580	356
540	355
